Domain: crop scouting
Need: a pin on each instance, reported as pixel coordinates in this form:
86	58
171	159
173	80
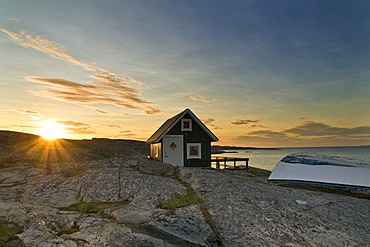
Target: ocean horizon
267	158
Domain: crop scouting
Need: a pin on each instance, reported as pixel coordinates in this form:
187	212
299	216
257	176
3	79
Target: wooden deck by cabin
220	162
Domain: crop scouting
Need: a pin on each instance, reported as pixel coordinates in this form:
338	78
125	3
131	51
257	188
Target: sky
264	73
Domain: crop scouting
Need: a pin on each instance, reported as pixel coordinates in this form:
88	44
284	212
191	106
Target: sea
268	158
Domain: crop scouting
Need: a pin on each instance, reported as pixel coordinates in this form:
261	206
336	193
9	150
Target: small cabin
182	140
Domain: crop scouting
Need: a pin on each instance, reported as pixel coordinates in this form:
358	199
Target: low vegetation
70	230
7	231
93	207
6	165
159	169
189	198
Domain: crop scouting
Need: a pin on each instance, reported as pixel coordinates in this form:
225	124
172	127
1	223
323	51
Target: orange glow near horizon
51	130
43	151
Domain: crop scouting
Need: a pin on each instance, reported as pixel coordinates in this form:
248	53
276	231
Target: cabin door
173	148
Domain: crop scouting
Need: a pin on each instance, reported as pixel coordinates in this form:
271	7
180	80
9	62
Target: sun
51	130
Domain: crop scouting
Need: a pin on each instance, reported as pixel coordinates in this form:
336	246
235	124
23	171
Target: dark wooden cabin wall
197	135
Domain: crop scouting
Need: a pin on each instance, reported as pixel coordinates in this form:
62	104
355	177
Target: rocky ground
128	200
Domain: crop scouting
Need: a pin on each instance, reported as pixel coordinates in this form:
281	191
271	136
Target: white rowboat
322	170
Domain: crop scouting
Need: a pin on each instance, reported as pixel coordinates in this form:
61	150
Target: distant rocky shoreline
107	193
216	149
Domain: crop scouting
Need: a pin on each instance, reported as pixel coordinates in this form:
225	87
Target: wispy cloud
258	126
309	133
73	123
35	115
93	93
126	134
267	134
209	122
100	111
110	125
200	98
77	127
265	138
81	130
244	121
51	48
152	110
107	88
316	129
24	126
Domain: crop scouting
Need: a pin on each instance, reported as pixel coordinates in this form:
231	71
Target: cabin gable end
186	132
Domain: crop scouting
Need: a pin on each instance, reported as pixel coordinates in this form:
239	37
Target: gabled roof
168	125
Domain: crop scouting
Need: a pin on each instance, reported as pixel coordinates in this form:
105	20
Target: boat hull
325	173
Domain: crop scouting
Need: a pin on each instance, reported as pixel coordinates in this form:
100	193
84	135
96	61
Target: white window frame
182	124
199	146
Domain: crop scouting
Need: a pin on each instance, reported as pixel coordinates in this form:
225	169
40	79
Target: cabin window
156	151
186	125
194	151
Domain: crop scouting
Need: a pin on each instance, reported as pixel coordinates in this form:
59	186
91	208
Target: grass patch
7	230
207	216
6	165
92	207
156	168
70	230
189	198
